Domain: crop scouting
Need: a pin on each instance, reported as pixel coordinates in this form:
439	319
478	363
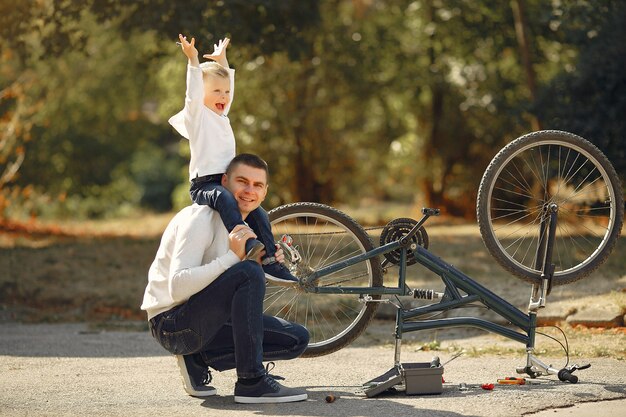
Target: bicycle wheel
539	169
323	236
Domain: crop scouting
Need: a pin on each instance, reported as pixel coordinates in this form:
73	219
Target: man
205	302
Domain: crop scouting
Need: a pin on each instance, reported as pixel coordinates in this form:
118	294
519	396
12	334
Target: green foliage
157	173
387	100
590	98
83	145
266	26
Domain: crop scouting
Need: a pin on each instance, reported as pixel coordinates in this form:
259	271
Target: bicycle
550	210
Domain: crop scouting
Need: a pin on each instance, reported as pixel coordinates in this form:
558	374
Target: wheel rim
321	241
551	172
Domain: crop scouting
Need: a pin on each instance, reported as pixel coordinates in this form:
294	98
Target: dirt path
70	370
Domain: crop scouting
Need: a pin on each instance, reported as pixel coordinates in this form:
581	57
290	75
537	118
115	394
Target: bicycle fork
547	233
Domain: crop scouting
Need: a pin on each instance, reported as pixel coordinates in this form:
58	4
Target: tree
459	66
588	97
86	113
393	100
521	32
77	117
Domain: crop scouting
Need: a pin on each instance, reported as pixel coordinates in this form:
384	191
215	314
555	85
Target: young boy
204	122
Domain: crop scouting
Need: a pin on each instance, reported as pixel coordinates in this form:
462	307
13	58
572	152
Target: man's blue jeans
214	195
225	324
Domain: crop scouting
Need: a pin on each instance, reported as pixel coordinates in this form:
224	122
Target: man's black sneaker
278	274
196	375
267	390
253	248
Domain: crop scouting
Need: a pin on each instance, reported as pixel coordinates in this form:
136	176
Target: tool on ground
453	358
512	381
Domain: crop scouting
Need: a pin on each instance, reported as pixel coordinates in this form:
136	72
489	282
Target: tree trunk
521	32
429	151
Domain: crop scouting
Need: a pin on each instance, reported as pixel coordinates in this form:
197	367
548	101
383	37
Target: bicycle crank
395	230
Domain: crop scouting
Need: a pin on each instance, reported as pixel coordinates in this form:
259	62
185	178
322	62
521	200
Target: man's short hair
248	159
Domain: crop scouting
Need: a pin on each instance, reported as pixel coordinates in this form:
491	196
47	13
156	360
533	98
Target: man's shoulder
203	220
199	212
195	214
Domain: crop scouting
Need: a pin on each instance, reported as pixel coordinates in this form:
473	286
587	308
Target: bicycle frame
454	281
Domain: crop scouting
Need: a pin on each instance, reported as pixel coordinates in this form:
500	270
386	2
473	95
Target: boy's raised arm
189	50
219	53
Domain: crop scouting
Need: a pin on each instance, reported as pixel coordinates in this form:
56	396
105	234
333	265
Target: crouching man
204	300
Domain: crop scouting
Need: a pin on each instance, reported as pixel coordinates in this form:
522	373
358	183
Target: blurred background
376	107
352	103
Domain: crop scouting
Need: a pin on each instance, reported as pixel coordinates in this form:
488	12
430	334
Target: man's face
216	93
248	185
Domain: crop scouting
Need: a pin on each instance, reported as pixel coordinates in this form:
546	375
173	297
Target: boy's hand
219	52
279	255
189	50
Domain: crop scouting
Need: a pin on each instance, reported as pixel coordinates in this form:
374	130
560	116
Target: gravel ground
67	369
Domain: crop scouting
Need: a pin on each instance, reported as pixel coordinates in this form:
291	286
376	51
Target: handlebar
565	375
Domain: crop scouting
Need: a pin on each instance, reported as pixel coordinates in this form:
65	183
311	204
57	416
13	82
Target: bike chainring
395	230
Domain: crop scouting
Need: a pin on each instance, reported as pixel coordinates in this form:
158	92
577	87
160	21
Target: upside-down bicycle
549	208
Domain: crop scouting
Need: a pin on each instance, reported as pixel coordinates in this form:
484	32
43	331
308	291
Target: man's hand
189	49
219	53
238	238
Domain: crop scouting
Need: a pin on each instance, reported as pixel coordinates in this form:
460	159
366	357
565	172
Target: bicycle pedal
430	211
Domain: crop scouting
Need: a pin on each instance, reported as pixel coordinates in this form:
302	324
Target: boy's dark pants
209	191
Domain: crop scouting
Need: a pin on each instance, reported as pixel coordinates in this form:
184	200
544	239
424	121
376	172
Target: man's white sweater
194	251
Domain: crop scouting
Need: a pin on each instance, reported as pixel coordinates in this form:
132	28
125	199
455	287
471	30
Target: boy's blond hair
213	69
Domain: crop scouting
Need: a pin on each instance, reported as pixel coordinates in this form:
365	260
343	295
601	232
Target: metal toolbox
415	378
420	378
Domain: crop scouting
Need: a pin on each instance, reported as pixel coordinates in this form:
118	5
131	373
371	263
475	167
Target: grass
96	272
582	342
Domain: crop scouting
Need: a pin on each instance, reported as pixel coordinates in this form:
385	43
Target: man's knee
303	337
250	271
298	335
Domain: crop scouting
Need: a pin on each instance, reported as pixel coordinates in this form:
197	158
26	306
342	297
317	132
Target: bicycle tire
545	167
324	235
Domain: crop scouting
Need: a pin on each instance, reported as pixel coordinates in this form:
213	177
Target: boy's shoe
278	274
196	375
253	248
267	390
